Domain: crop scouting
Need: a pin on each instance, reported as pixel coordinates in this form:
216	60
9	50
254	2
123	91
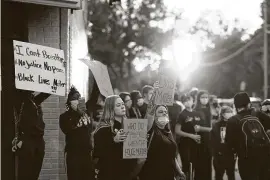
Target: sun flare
185	54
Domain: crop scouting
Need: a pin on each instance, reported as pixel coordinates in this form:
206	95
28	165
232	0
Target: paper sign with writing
39	68
165	92
101	75
135	146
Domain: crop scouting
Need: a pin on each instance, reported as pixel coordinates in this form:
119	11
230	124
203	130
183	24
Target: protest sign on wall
135	146
101	76
39	68
165	92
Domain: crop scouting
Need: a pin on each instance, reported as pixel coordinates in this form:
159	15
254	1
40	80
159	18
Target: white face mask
204	101
162	121
140	102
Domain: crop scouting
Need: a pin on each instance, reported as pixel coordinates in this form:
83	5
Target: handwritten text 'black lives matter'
165	93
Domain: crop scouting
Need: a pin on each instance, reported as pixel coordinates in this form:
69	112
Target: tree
223	79
117	35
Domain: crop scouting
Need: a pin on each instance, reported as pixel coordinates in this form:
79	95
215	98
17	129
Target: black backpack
254	134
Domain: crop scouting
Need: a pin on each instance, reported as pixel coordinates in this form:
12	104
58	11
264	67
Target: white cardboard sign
39	68
135	146
101	75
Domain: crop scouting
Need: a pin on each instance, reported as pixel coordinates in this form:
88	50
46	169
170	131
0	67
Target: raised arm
41	97
150	112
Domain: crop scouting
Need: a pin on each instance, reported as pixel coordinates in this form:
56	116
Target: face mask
204	101
163	121
140	102
74	104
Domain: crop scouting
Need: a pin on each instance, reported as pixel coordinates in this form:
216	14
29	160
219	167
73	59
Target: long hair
108	113
203	110
198	100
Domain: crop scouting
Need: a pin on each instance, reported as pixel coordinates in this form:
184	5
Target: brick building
54	23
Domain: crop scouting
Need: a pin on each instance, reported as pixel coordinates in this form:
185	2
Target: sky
247	11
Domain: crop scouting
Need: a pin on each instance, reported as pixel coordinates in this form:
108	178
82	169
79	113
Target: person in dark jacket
266	109
29	142
174	111
251	166
147	92
137	102
189	139
222	159
204	156
162	162
108	143
126	98
75	124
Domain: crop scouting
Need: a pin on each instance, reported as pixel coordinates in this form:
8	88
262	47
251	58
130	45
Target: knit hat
266	102
241	100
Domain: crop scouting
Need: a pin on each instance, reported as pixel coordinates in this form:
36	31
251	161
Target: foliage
117	35
224	79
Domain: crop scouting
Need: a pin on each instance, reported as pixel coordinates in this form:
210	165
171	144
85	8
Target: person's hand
268	132
16	145
80	123
182	176
156	85
196	138
86	119
197	128
120	136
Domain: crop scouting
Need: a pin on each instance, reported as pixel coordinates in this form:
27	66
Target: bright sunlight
185	53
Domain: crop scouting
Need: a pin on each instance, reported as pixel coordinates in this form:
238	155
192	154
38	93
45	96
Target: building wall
49	26
59	28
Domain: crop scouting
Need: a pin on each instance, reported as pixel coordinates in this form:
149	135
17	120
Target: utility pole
265	51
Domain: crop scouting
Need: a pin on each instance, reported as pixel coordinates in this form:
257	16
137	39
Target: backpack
254	133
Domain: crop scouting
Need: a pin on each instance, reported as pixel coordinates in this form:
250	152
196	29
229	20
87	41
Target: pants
188	155
254	167
30	158
79	165
224	163
203	169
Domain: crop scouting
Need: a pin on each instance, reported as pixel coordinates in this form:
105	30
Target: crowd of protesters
185	140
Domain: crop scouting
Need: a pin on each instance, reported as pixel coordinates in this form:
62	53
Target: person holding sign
76	125
108	142
162	158
29	142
